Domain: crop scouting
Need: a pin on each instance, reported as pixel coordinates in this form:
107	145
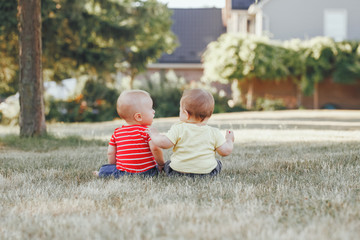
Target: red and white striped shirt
133	152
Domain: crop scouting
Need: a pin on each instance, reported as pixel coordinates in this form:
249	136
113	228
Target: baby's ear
138	117
187	114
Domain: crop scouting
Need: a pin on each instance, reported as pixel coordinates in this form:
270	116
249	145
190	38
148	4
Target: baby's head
198	103
135	107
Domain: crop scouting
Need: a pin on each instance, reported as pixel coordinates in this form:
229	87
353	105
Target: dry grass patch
286	179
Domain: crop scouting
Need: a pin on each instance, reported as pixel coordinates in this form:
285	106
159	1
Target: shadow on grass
47	143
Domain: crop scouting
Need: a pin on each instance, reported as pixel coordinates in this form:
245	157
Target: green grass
292	175
47	143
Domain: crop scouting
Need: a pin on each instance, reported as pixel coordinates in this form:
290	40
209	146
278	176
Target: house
282	20
195	29
305	19
237	19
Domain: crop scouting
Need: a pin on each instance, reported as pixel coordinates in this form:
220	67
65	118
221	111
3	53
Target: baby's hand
160	167
152	131
229	135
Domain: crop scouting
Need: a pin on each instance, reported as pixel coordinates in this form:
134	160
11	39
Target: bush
244	57
222	105
166	91
95	103
265	104
10	110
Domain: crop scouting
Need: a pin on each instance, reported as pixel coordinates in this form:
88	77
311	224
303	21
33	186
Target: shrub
266	104
165	90
10	110
307	63
222	105
95	103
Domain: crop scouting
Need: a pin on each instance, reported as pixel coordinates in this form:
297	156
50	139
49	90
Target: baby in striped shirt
130	150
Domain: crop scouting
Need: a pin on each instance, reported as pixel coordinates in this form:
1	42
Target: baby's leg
107	170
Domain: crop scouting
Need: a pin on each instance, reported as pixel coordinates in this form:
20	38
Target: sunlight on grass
47	143
289	181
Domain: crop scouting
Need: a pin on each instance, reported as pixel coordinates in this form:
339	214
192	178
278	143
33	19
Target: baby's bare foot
96	173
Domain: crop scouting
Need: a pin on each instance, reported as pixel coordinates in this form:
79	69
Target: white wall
304	19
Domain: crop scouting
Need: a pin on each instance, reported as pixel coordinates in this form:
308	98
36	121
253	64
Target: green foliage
306	63
8	49
222	106
98	95
47	142
153	37
294	60
103	36
96	103
228	58
239	56
265	104
347	66
166	91
88	37
320	54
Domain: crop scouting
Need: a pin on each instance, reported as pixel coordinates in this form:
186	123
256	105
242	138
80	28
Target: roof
241	4
195	29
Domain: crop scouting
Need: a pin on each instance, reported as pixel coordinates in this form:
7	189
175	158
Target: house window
335	24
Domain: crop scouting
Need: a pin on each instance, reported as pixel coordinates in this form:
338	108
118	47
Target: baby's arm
159	139
228	146
158	155
111	152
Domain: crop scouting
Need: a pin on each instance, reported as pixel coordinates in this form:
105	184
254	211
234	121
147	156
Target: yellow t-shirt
194	147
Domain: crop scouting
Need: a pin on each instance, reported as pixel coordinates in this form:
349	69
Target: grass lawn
292	175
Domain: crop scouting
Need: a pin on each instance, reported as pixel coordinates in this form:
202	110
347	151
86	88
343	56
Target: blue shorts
109	170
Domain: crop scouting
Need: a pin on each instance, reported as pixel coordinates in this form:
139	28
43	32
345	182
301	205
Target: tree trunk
133	73
298	94
250	93
32	114
298	97
316	96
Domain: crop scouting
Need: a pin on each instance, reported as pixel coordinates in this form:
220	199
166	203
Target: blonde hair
199	103
130	102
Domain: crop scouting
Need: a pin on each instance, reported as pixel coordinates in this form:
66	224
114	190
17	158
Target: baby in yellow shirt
194	142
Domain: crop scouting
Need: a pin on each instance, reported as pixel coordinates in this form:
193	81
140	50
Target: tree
32	116
153	37
83	37
9	48
306	63
244	58
320	56
295	63
95	38
347	66
101	37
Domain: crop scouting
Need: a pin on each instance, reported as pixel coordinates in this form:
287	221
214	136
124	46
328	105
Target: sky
194	3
